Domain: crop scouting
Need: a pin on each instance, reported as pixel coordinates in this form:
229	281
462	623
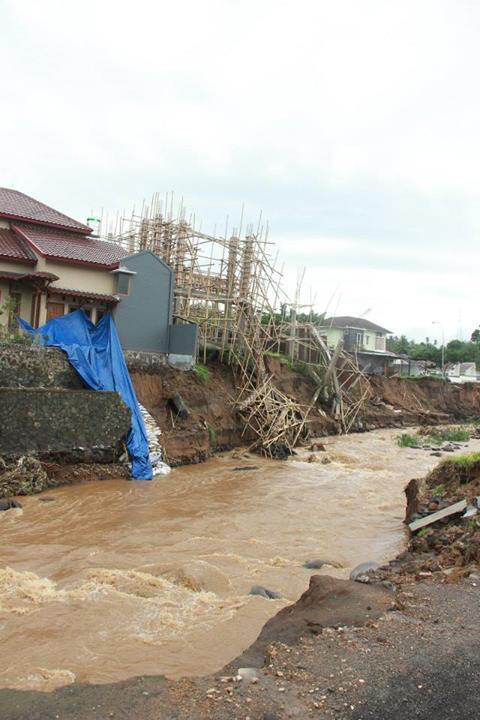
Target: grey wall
183	339
143	317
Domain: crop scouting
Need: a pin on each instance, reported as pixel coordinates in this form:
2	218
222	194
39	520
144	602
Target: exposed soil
448	549
213	423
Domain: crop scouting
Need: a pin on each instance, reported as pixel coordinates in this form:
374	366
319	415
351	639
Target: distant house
361	337
50	265
461	372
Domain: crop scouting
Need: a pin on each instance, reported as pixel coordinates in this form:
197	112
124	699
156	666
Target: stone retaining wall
36	366
64	425
23	365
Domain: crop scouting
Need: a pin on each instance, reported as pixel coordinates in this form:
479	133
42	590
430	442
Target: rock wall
65	425
36	366
32	365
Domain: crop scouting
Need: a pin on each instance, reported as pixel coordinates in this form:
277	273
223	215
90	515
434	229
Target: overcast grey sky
353	125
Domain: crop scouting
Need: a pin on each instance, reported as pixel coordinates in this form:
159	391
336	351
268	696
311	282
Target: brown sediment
213	423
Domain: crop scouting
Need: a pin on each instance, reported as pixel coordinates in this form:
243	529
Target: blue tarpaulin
96	354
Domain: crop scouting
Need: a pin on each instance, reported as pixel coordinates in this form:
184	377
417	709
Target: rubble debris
454	509
248	675
25	477
359	572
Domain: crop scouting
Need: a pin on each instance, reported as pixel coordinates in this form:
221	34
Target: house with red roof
50	264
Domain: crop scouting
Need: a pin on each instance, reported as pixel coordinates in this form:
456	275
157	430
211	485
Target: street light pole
436	322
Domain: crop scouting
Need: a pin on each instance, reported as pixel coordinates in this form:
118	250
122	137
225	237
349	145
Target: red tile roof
52	290
17	205
13	248
70	246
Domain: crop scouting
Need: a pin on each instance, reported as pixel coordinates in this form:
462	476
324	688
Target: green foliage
201	373
212	436
438	490
455	351
406	440
466	460
423	532
449	435
437	437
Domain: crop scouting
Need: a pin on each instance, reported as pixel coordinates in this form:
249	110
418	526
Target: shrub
201	373
406	440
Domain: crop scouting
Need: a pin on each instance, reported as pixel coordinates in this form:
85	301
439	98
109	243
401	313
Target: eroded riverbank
114	579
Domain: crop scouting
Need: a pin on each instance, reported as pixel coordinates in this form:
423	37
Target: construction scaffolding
230	286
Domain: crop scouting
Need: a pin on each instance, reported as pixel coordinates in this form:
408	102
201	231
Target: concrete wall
36	366
70	426
143	317
183	339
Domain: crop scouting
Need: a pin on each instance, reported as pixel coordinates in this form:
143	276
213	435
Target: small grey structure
144	315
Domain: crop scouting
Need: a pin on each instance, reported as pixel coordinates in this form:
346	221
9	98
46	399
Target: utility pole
437	322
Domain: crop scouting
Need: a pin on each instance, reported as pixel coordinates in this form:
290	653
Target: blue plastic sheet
96	354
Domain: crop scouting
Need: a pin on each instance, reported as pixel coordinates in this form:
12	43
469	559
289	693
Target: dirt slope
214	425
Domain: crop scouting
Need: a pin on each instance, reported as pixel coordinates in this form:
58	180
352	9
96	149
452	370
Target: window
123	283
86	310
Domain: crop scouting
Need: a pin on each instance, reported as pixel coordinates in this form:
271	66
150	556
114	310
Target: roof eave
70	261
21	261
80	229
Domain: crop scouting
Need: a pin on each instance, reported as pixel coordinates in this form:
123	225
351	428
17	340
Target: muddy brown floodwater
114	579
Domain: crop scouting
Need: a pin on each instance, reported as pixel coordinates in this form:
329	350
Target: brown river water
114	579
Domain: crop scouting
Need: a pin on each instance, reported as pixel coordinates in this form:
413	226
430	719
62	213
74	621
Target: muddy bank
420	661
213	423
29	476
448	548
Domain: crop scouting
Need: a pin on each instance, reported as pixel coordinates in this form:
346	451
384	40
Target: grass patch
423	532
464	461
435	437
201	373
419	378
406	440
449	435
212	436
438	490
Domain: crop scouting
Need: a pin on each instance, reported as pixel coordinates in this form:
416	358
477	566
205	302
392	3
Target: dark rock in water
359	573
448	448
314	564
244	468
317	447
264	592
437	453
9	504
46	498
281	452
